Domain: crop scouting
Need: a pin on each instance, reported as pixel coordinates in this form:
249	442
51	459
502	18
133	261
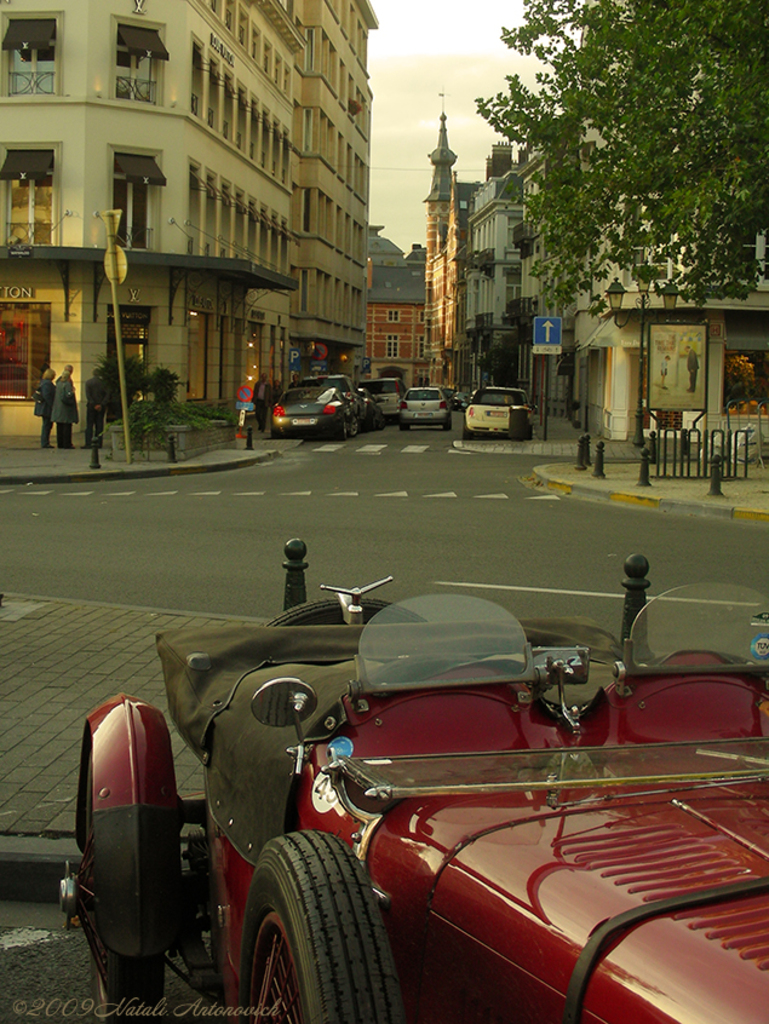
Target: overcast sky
421	49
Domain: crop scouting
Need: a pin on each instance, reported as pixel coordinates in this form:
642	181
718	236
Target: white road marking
491	496
76	494
160	494
370	449
411	449
249	494
8	490
530	590
34	492
544	497
296	494
393	494
342	494
446	494
329	448
119	494
205	494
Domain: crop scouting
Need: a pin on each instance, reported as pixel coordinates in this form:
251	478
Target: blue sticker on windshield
759	646
341	746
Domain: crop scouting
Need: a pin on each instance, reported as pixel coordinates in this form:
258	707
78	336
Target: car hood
534	888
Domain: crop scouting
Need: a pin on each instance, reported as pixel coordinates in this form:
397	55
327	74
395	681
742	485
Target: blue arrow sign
547	333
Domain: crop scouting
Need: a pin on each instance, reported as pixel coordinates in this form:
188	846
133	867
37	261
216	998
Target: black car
345	385
374	418
314	412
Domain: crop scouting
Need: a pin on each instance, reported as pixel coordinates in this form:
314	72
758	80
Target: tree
649	124
136	378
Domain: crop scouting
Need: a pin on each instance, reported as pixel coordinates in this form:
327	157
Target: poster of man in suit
677	366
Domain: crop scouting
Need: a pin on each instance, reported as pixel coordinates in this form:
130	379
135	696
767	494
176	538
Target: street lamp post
616	293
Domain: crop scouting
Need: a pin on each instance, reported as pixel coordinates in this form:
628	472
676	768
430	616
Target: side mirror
284	701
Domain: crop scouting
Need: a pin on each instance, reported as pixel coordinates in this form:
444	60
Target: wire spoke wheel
275	975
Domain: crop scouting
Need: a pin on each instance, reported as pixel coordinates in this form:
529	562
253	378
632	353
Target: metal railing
689	453
30	83
136	238
134	89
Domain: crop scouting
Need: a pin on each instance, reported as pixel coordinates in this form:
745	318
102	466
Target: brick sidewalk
59	660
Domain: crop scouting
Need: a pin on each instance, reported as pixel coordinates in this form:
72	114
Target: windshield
702	623
440	640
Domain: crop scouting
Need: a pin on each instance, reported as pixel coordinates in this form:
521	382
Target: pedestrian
692	365
64	412
97	398
262	401
44	405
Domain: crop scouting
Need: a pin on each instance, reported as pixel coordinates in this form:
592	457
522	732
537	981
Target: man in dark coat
97	398
44	406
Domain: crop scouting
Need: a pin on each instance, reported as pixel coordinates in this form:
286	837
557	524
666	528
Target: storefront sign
224	52
201	302
12	291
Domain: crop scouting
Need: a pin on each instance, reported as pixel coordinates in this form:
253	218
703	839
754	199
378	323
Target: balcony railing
134	89
31	83
522	307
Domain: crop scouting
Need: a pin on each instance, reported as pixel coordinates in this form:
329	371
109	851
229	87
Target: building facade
184	116
395	330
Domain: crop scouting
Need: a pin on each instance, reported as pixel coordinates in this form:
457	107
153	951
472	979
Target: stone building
233	135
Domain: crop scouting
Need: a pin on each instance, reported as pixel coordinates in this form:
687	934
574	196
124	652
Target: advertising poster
677	366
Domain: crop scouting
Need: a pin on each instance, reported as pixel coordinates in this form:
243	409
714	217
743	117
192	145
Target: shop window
29	173
135	179
25	345
139	51
31	45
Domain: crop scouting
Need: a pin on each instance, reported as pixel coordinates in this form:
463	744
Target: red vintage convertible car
443	816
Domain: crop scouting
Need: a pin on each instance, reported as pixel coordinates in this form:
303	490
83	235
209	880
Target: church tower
438	215
439	199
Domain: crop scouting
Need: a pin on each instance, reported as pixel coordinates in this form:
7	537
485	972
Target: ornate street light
615	293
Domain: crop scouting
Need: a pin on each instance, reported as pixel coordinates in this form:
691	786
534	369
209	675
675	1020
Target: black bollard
652	446
250	439
296	589
586	438
171	448
94	463
635	584
715	478
643	472
581	453
598	470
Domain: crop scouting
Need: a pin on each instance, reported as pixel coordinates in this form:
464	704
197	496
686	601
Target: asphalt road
404	504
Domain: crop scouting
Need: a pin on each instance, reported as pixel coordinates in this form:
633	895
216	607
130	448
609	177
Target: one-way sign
547	335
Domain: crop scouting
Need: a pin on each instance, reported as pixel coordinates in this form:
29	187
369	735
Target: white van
387	392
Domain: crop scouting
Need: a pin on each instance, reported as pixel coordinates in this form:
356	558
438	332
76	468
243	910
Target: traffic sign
547	335
245	393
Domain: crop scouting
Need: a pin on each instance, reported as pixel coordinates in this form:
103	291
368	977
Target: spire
442	160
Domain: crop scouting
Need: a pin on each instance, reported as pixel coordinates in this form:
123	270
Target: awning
747	330
33	164
604	335
28	34
143	42
140	169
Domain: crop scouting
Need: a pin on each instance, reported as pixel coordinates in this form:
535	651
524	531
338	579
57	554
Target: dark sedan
310	412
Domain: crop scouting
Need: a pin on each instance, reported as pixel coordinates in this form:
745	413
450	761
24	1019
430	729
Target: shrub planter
188	442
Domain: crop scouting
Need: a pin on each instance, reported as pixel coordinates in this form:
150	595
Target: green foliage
500	362
149	421
163	384
136	377
649	124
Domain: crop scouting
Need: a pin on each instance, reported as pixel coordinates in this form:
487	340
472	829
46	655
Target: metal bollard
653	447
715	478
598	472
94	464
250	439
581	453
586	438
635	584
643	472
171	448
296	589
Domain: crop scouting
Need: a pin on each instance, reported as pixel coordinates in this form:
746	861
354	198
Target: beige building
183	115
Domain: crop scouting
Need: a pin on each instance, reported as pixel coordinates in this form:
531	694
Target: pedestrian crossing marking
370	449
446	494
393	494
119	494
161	494
492	496
328	448
204	494
413	449
342	494
76	494
249	494
296	494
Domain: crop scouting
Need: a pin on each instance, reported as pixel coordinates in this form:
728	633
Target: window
25	346
32	56
307	133
393	316
267	58
391	346
138	53
30	207
135	177
309	50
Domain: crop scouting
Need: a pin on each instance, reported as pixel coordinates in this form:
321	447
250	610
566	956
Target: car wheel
447	425
405	426
354	426
325	613
314	944
466	434
113	977
342	433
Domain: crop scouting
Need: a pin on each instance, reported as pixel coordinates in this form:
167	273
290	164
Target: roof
405	283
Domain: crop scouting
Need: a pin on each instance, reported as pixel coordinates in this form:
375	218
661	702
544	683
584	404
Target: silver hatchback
425	407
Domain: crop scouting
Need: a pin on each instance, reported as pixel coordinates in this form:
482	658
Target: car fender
127	778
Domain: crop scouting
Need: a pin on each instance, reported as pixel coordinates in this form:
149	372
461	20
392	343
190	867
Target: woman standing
65	409
44	406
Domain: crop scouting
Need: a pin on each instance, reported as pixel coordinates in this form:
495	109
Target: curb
80	477
669	505
31	867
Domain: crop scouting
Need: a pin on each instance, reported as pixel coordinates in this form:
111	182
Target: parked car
492	410
388	392
481	819
319	411
374	418
424	407
460	400
344	384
